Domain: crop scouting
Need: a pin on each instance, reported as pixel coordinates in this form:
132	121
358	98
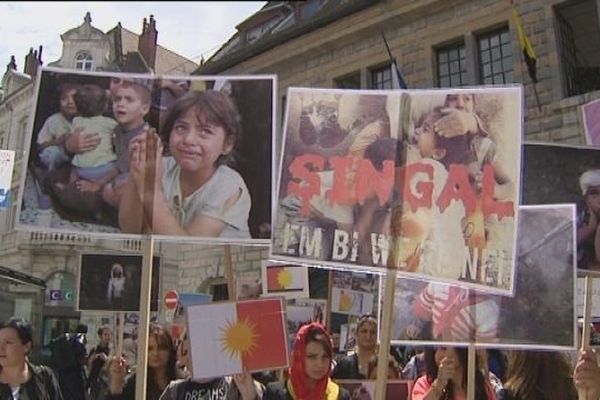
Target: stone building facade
436	44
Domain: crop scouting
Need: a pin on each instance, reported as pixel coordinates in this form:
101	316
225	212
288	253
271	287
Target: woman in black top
356	365
19	379
162	368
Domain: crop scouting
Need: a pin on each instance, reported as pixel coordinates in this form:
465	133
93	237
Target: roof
167	61
287	29
134	62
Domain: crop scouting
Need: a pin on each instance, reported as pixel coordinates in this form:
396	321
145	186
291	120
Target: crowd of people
315	372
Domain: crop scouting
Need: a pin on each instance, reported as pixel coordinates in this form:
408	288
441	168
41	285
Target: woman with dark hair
309	373
20	379
543	375
162	368
446	377
356	365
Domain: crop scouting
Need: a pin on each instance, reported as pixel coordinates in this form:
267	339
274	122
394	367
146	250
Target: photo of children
92	169
174	150
568	174
202	130
112	282
405	179
541	314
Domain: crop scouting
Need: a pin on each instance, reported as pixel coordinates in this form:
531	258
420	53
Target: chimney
148	41
12	64
31	63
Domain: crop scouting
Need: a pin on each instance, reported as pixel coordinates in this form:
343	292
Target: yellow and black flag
525	45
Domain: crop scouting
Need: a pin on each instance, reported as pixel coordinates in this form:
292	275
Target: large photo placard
177	157
540	315
7	162
112	282
425	182
567	174
591	122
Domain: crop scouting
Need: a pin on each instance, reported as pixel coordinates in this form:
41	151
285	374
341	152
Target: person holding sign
236	387
356	366
309	373
19	379
446	377
195	192
162	368
587	373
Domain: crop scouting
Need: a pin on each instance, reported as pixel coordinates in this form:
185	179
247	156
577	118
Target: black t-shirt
187	389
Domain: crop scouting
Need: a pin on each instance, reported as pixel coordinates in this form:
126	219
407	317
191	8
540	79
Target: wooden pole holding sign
586	330
471	367
229	274
385	327
119	338
142	349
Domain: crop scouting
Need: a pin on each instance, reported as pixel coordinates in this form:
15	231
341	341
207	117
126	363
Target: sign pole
385	328
229	273
142	349
120	334
471	365
586	330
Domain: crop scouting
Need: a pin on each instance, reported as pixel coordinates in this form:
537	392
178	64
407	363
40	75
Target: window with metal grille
578	40
381	78
495	57
451	65
350	81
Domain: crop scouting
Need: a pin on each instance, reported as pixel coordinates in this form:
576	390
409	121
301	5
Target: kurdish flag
228	338
290	281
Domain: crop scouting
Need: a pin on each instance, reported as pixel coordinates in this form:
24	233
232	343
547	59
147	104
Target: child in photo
588	239
56	129
131	99
116	285
195	191
94	168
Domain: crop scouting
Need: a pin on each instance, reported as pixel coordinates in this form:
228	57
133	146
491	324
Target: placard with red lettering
422	181
540	315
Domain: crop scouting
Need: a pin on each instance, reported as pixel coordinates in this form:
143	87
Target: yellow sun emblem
345	301
239	338
284	278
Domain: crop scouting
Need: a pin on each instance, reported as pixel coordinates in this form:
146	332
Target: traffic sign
171	299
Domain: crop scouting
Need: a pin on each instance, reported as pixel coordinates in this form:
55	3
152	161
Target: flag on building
7	162
397	80
228	338
290	281
525	45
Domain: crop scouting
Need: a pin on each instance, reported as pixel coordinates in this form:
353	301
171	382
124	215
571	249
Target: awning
19	277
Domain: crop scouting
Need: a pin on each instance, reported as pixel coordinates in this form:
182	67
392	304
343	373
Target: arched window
84	61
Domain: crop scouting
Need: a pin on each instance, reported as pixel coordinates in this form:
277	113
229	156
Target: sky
191	29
